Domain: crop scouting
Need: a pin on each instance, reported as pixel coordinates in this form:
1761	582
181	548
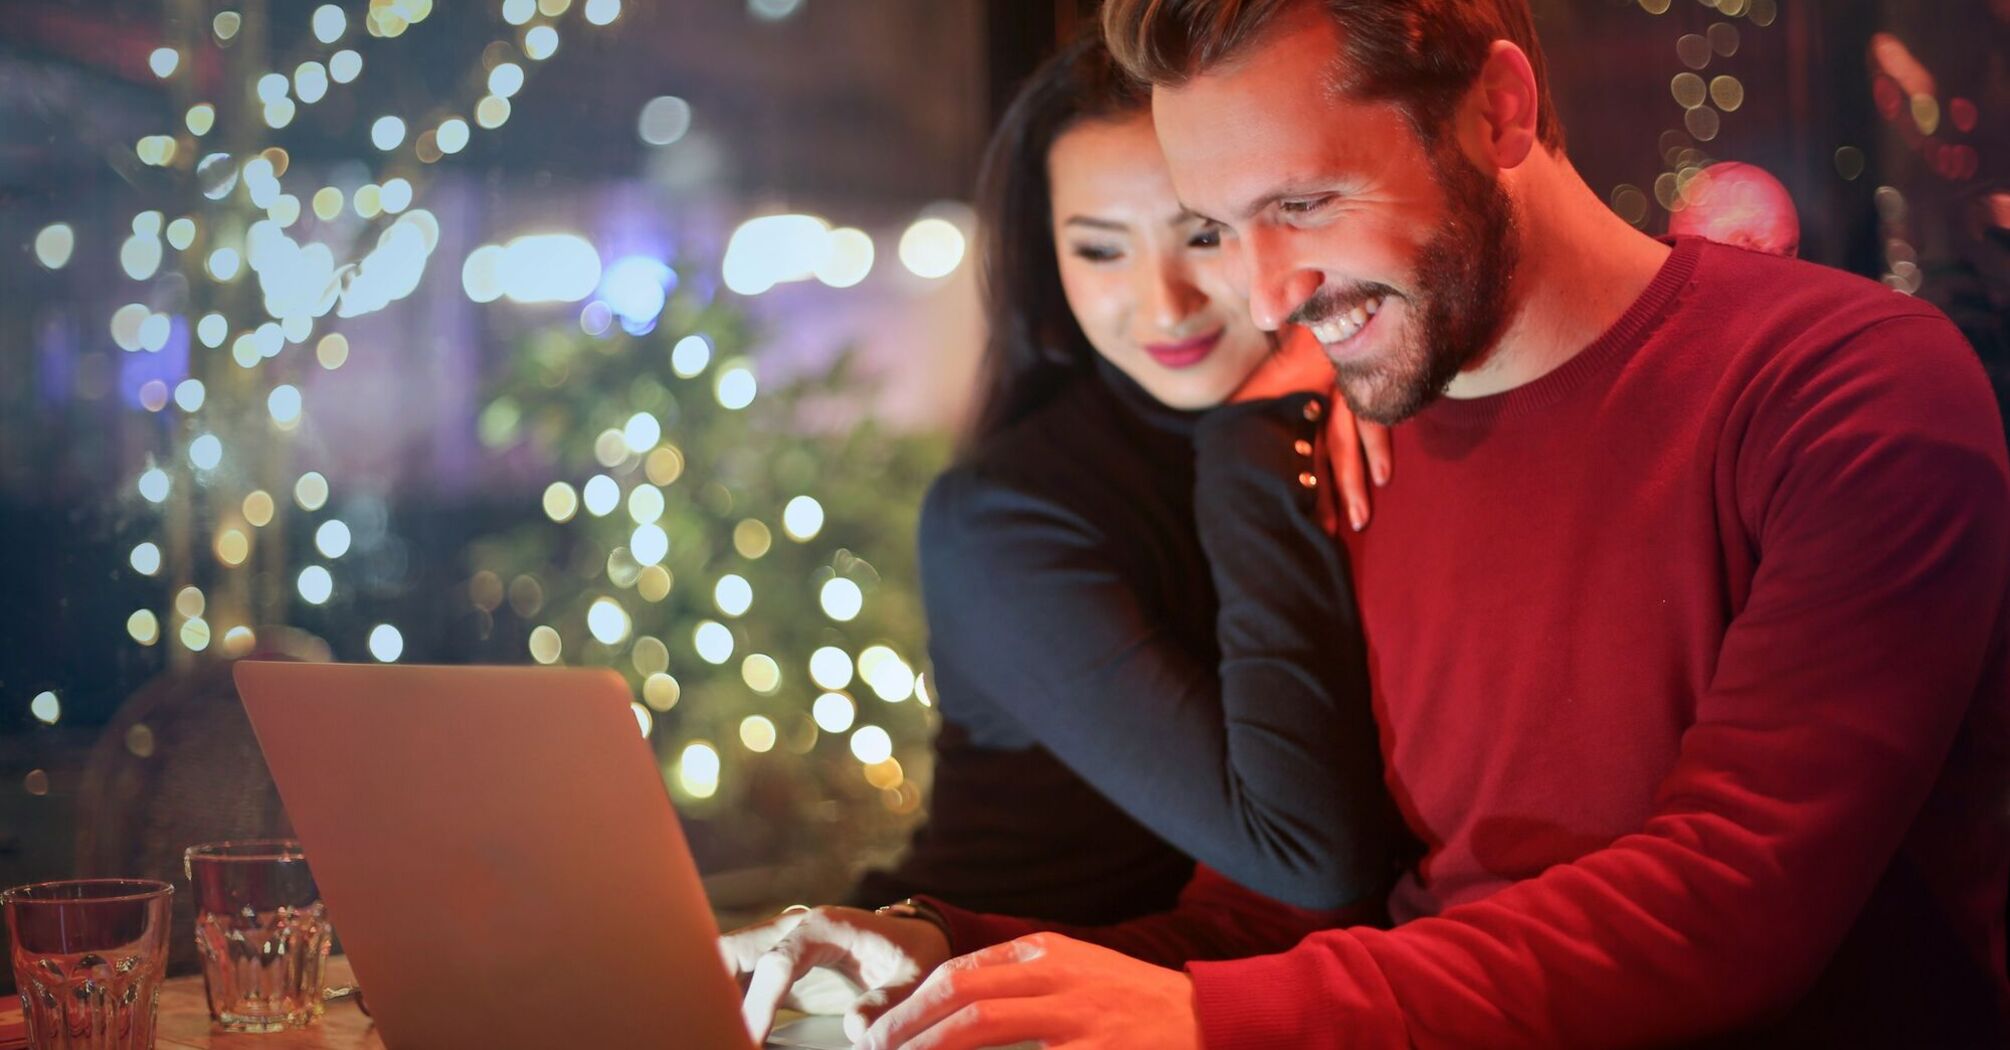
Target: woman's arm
1012	830
1265	766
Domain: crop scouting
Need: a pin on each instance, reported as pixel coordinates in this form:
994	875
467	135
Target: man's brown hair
1421	55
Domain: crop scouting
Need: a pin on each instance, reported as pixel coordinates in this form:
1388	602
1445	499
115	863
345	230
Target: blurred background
629	333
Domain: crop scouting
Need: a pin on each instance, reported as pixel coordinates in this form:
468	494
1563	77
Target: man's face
1397	255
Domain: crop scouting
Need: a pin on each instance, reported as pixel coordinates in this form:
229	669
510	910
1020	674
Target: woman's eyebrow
1096	224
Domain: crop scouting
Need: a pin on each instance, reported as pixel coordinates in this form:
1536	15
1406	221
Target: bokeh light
690	356
833	712
736	387
386	644
601	495
761	674
332	538
54	245
841	599
733	595
757	733
713	641
802	519
870	744
830	667
315	584
311	491
144	627
931	247
607	621
649	543
545	644
663	120
698	770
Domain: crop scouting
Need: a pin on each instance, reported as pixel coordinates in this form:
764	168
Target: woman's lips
1187	352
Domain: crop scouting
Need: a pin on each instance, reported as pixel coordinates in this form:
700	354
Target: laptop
498	851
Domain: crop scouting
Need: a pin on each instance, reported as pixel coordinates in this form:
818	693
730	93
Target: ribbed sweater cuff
1327	992
970	930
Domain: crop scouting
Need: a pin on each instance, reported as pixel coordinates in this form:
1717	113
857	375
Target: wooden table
184	1022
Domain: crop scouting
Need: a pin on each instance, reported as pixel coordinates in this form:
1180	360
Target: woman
1131	610
1143	637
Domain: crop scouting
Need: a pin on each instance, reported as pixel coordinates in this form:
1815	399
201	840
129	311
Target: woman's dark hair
1033	344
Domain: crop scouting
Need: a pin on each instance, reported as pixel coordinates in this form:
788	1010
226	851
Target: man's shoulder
1773	306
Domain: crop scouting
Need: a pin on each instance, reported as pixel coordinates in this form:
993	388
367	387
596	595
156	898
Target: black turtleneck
1146	653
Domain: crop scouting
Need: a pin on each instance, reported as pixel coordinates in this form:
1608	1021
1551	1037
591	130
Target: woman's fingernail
1357	517
1381	472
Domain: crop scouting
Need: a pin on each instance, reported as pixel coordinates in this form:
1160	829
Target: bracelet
910	908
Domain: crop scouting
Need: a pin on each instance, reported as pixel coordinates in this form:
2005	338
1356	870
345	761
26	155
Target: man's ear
1504	104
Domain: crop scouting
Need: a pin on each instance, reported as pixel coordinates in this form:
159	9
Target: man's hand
1358	451
867	962
1048	990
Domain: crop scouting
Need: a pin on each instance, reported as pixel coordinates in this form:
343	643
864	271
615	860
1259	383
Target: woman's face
1145	280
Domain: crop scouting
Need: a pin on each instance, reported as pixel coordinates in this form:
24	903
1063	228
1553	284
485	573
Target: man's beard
1457	305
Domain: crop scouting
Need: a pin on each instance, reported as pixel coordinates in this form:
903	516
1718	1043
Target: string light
831	668
733	595
386	644
870	744
690	356
315	584
144	627
54	244
698	770
833	712
545	644
841	599
757	734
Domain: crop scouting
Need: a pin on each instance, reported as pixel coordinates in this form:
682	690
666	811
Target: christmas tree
750	573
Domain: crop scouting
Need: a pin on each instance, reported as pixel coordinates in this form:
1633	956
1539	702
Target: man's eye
1206	237
1303	205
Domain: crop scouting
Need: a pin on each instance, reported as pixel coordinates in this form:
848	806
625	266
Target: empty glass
88	959
262	931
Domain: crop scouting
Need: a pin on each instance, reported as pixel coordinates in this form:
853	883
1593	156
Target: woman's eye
1096	252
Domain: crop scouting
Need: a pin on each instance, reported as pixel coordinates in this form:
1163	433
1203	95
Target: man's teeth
1347	325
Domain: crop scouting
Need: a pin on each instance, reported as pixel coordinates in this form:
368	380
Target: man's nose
1277	285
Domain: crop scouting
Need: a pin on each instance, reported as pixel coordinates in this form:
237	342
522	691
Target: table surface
184	1022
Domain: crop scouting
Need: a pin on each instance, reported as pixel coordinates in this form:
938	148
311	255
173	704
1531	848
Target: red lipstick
1187	352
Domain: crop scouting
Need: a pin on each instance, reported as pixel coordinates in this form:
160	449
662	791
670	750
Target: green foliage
725	477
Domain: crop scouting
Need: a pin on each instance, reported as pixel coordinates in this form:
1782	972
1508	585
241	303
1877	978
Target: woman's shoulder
1043	467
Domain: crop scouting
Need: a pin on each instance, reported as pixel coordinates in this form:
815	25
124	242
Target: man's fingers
872	1005
1034	1022
1378	449
1002	971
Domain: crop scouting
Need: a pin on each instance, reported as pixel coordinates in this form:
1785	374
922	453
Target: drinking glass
88	956
262	932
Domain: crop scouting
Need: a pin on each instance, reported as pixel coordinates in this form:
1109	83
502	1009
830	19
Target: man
1687	620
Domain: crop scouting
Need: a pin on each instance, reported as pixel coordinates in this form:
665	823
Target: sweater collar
1603	354
1142	405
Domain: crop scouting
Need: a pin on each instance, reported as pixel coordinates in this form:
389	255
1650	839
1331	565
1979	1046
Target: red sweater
1690	663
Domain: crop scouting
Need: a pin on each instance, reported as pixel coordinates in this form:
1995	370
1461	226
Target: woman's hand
1357	451
864	963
